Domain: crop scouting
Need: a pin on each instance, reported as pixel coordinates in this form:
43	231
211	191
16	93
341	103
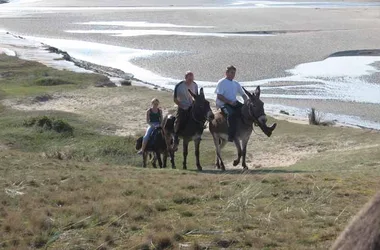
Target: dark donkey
199	112
252	112
156	146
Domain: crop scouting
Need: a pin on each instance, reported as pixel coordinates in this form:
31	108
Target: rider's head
155	102
189	77
230	72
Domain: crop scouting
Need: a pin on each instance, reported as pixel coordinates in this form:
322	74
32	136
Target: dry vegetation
86	189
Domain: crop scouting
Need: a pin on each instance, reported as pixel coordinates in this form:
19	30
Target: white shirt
228	89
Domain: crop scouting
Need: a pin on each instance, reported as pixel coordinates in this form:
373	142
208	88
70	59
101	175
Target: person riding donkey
184	100
154	119
227	90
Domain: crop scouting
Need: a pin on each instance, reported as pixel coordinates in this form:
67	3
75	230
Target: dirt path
124	107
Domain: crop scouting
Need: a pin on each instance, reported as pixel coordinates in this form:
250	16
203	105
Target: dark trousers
232	113
181	119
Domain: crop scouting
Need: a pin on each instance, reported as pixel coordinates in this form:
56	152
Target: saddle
153	136
169	125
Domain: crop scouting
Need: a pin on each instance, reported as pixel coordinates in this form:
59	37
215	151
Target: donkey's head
201	107
255	111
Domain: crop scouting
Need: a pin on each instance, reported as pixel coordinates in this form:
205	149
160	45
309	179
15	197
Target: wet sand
292	36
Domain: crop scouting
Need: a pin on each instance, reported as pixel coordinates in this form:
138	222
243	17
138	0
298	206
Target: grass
86	190
27	78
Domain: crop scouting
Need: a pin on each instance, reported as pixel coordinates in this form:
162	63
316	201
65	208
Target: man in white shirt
227	91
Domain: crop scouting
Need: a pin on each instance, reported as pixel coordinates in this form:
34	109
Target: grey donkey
252	112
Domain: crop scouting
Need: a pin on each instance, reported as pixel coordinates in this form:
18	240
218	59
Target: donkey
363	233
156	146
199	113
252	112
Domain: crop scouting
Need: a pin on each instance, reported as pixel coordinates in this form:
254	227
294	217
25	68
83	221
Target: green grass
86	190
26	78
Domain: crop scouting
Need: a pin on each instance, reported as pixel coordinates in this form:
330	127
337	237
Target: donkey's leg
154	161
244	151
217	144
144	156
170	149
158	157
185	152
197	143
165	158
217	162
218	153
238	148
172	159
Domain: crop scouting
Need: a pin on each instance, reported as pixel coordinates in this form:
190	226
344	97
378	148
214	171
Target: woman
154	119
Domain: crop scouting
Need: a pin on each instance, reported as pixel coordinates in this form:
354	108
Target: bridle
200	122
255	119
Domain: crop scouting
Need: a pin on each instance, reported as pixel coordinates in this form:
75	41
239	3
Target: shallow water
123	37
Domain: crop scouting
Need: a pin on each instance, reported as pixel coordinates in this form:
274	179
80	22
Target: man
226	91
184	100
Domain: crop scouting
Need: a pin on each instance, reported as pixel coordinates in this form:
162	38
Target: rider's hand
232	103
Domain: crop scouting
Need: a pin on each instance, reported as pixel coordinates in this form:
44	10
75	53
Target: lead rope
253	126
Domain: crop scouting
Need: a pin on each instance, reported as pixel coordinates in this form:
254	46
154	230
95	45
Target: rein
254	120
202	122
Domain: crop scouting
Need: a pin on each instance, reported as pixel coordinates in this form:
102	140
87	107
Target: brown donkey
363	233
252	113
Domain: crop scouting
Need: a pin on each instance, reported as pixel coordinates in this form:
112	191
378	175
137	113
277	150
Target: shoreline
117	75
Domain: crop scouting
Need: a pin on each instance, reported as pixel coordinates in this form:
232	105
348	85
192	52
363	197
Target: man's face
189	77
230	74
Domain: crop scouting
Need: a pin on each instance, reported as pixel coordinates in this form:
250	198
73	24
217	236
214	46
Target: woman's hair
155	100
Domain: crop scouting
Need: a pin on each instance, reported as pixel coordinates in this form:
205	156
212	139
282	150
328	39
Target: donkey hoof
235	163
199	168
245	167
223	168
217	166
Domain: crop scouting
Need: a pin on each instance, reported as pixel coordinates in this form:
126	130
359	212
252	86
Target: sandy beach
267	43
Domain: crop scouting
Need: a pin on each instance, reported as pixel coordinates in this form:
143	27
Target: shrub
44	122
42	98
61	126
47	123
51	81
314	118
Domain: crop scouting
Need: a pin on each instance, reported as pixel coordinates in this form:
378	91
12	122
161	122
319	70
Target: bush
51	81
42	98
44	122
47	123
61	126
314	118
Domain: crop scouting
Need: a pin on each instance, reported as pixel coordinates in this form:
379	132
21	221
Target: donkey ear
192	94
257	92
201	92
247	93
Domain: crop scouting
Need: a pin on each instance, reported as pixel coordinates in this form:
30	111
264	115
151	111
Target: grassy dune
86	190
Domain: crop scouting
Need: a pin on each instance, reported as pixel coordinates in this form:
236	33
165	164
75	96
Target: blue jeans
232	113
150	130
